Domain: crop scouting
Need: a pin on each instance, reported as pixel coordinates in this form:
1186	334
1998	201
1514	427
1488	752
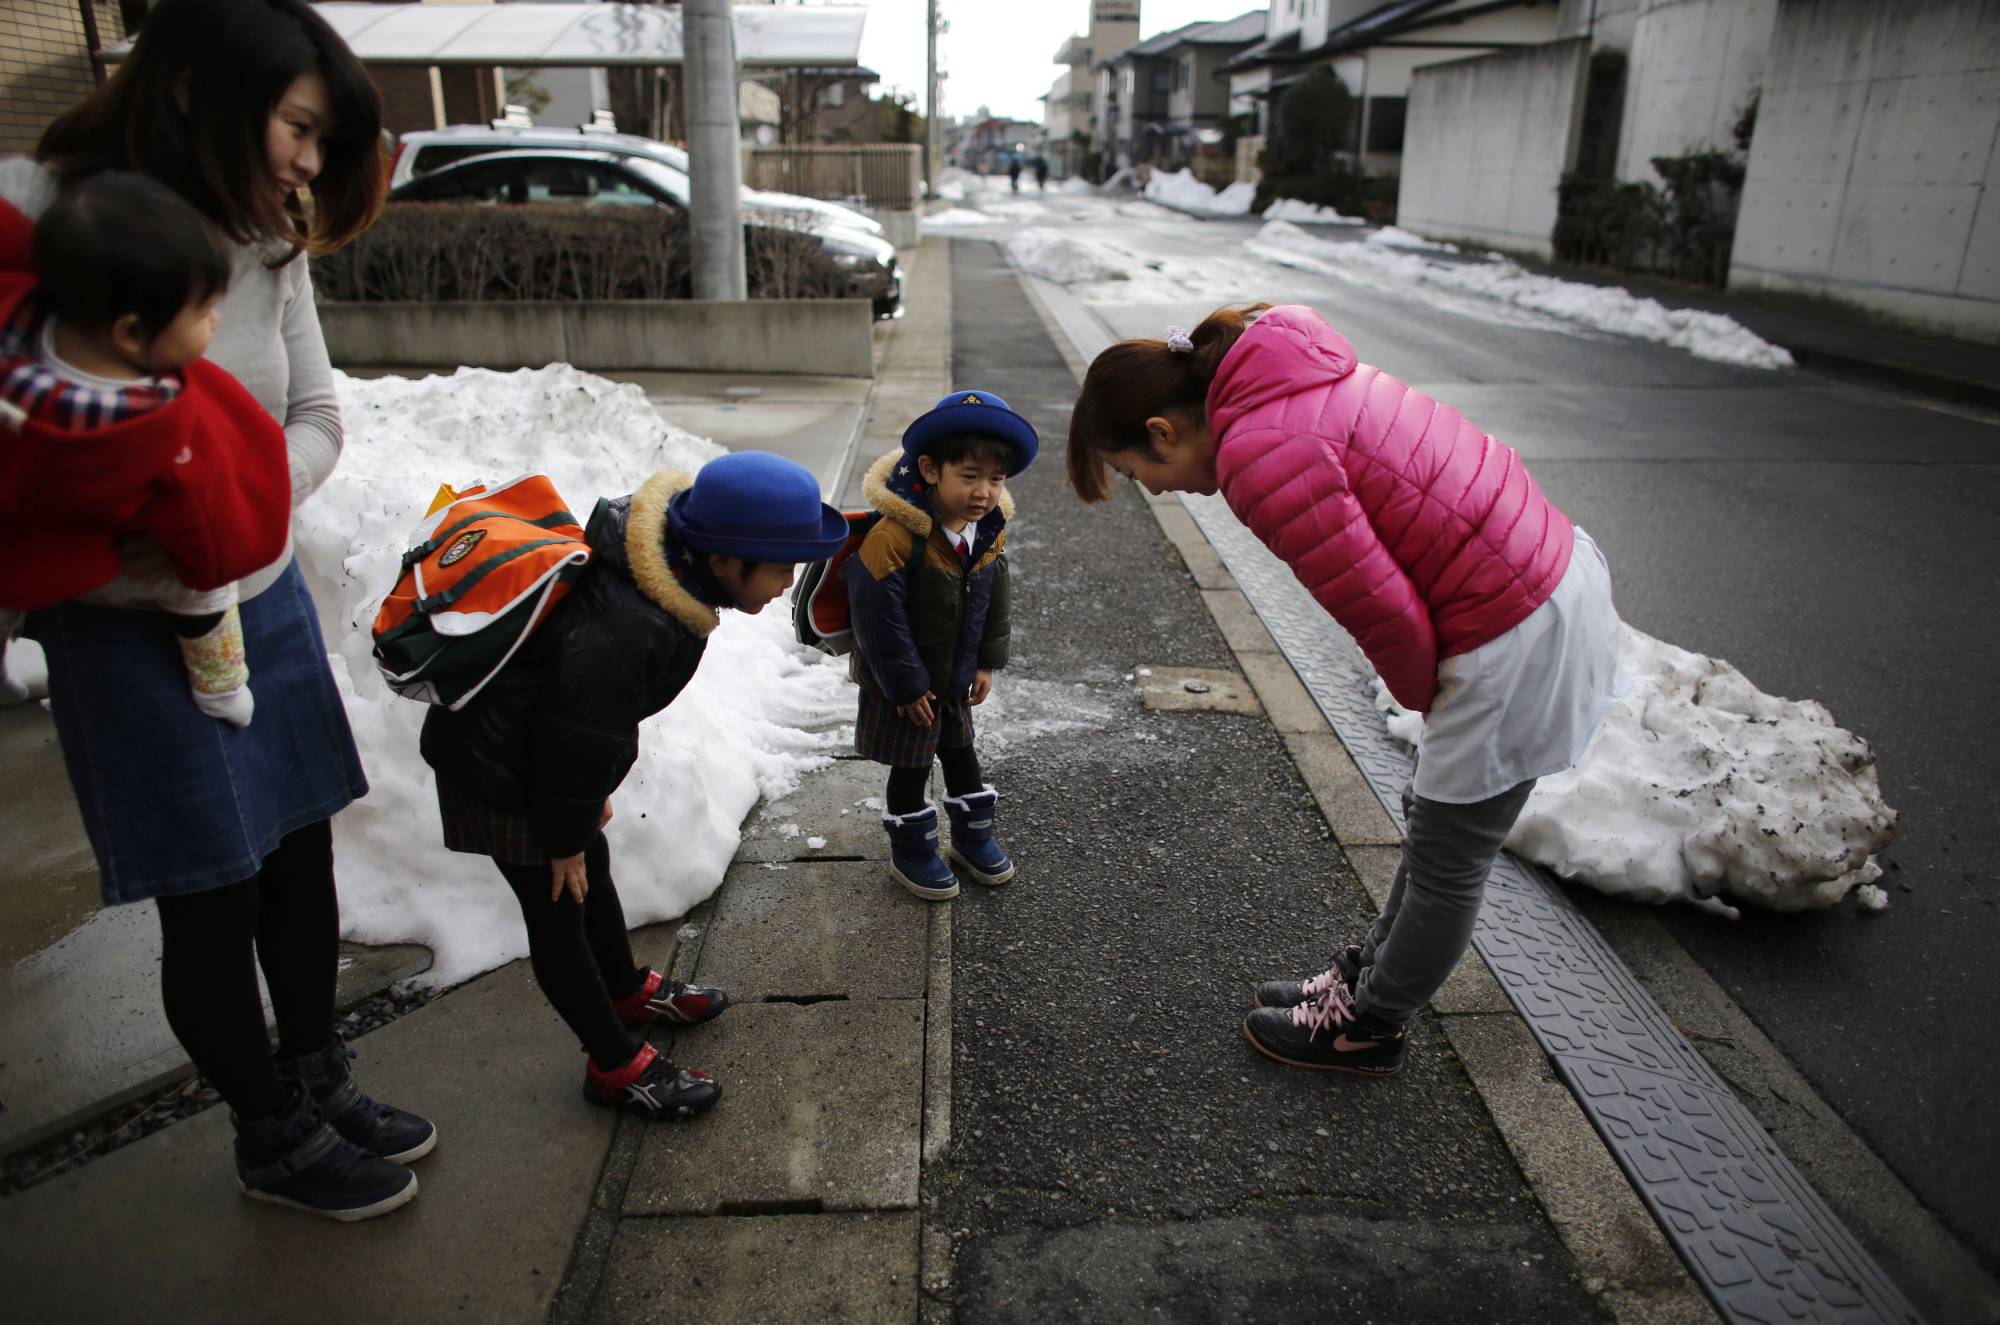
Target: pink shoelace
1331	1009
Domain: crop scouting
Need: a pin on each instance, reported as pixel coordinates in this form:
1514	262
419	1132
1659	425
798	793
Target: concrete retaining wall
1486	141
903	227
1875	173
1695	65
823	337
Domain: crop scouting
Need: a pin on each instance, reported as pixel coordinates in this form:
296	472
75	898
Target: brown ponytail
1136	380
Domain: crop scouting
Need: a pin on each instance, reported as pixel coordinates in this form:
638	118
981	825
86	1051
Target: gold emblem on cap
972	400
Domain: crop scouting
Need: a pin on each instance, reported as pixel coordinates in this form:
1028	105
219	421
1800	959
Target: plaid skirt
473	826
887	737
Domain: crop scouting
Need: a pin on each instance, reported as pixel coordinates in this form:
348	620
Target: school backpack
488	566
821	618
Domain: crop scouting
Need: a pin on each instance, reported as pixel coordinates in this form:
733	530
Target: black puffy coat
555	733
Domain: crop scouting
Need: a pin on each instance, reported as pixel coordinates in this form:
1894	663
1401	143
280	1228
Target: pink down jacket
1422	535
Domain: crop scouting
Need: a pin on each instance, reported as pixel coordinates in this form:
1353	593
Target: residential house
1165	98
1070	107
1374	47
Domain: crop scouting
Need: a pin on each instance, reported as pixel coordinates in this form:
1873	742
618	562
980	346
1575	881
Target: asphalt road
1119	1152
1835	542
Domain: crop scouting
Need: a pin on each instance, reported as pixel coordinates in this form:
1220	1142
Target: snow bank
1606	308
736	733
1181	189
1291	209
1700	786
952	217
1076	184
1057	257
1390	236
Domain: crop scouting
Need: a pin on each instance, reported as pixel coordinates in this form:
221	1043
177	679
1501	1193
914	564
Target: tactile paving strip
1760	1241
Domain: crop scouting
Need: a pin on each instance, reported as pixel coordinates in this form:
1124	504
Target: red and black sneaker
660	999
652	1087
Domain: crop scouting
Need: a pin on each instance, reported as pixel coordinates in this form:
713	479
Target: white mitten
232	706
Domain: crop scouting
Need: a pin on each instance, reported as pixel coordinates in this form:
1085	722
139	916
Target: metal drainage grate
1747	1223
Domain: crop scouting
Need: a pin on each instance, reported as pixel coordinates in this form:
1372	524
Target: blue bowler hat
757	505
978	412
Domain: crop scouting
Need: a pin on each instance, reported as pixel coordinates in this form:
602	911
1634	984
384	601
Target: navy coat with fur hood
925	622
558	731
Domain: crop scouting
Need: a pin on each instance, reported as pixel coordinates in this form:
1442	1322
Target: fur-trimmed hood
895	488
641	539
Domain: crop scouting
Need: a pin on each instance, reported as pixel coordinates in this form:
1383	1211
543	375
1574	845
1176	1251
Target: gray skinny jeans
1448	850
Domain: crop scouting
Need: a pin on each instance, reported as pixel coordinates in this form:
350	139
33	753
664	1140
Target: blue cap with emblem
980	413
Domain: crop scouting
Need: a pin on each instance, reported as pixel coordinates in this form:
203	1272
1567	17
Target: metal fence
885	176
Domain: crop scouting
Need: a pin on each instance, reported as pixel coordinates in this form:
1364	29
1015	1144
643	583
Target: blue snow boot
972	843
913	858
380	1129
297	1159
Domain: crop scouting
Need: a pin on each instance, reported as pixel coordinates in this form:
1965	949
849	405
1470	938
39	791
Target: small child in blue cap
929	593
526	770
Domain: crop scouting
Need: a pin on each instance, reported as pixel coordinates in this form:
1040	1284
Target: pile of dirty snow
1605	308
1291	209
737	731
1076	184
1179	188
1057	257
1700	787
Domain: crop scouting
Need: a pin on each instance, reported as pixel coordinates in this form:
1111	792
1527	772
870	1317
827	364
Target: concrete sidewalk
795	1199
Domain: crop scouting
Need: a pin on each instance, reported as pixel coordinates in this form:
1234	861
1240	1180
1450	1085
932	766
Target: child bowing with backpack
929	597
526	768
1478	602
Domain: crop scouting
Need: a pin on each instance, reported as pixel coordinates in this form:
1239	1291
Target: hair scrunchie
1179	341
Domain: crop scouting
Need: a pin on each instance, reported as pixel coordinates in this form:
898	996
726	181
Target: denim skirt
174	801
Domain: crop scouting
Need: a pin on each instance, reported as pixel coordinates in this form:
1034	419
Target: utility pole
933	133
715	163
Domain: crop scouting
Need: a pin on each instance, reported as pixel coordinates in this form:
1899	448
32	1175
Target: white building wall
1486	141
1875	173
1694	67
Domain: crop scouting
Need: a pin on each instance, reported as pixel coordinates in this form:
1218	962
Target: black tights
288	915
961	777
581	955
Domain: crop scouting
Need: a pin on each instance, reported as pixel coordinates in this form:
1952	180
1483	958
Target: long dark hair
192	105
1136	380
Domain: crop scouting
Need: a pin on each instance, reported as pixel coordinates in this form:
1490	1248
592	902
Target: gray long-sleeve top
269	340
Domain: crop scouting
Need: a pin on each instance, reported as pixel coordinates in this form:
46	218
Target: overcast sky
1000	53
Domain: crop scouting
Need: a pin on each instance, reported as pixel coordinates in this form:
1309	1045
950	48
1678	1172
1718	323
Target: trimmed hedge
430	252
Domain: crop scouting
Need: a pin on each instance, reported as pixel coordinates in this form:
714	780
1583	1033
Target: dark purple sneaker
1346	969
1327	1034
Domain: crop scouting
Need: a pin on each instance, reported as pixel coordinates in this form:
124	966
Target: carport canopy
581	35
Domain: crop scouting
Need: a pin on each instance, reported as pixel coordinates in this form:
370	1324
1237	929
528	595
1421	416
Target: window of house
833	95
1385	123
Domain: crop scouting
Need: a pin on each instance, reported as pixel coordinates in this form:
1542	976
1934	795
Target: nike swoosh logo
1343	1045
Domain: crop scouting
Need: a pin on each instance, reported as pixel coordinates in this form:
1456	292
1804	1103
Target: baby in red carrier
123	473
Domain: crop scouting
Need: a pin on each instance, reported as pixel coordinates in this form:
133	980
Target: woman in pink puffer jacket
1477	601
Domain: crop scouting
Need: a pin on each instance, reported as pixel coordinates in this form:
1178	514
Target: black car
604	179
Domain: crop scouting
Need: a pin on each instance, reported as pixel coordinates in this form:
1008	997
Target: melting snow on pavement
1606	308
750	724
1061	258
1700	787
